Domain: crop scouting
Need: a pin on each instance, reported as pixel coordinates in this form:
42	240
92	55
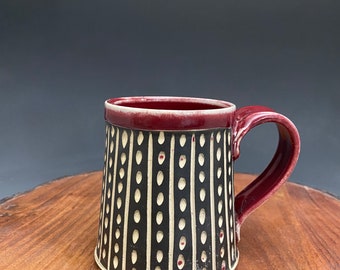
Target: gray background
59	61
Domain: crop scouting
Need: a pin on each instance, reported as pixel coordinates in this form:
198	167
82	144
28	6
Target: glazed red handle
278	170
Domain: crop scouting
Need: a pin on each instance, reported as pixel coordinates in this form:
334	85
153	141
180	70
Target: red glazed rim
169	113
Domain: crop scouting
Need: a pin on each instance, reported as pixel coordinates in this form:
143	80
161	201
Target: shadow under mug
168	194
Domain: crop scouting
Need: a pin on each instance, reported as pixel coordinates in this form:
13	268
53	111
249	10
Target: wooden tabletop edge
85	174
49	182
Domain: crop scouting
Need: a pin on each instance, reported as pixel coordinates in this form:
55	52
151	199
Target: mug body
168	194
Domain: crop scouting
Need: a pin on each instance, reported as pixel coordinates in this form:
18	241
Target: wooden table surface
55	227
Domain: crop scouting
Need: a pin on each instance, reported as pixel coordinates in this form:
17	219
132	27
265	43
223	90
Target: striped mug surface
168	194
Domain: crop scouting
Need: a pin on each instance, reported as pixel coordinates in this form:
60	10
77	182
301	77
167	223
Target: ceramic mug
168	194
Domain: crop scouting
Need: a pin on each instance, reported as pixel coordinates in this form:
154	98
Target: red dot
193	139
179	263
161	156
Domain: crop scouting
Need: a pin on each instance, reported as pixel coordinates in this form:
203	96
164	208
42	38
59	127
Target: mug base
102	267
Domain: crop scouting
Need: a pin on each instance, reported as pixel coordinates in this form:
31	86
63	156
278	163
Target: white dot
123	158
181	224
137	195
116	248
229	138
139	177
109	193
219	172
218	137
221	236
229	188
202	194
182	242
105	239
135	236
107	208
115	262
110	177
160	199
222	252
229	156
136	216
229	170
201	176
161	137
121	173
160	178
159	236
220	207
119	202
120	187
159	256
161	157
183	204
159	218
104	253
220	221
134	256
219	190
182	161
112	131
218	154
204	237
119	219
201	159
202	216
139	157
203	256
180	261
140	138
110	162
223	266
117	234
106	222
124	139
202	140
182	140
181	183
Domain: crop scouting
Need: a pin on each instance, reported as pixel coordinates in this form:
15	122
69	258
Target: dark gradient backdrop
60	59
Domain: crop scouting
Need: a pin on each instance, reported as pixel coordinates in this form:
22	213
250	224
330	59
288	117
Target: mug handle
280	167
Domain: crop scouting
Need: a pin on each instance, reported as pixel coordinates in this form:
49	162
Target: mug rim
169	112
120	103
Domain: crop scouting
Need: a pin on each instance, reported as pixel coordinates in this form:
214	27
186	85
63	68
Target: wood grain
55	227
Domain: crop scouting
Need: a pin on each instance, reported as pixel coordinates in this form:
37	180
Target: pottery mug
168	194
